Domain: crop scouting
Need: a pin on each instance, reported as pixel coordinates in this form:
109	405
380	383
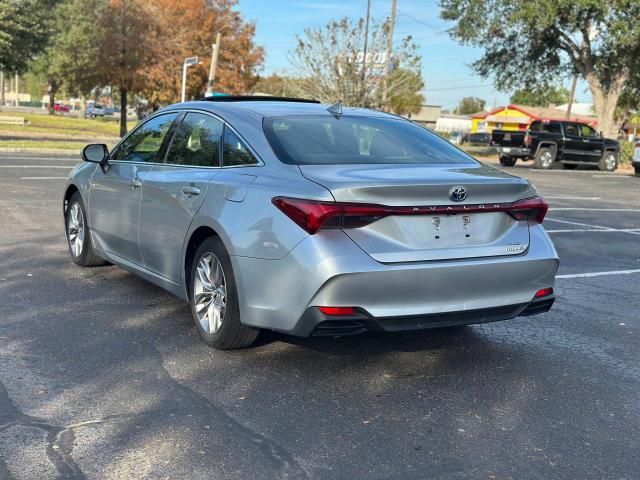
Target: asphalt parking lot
103	376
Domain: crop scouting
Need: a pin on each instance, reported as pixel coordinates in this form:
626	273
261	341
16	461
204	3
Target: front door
114	201
573	146
174	191
592	144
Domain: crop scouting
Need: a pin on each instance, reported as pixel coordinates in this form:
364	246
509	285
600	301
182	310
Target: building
427	116
449	122
516	117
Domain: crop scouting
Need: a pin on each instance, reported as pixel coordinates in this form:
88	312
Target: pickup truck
566	142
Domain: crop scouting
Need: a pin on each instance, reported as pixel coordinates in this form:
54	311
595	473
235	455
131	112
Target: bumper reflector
338	310
544	292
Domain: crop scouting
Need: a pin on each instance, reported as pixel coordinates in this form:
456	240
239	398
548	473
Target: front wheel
214	299
608	162
507	161
544	159
79	235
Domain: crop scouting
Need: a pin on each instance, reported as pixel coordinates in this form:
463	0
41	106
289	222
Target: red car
57	107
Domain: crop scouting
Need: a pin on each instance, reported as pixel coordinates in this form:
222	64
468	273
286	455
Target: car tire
608	162
507	161
214	298
544	159
79	234
569	166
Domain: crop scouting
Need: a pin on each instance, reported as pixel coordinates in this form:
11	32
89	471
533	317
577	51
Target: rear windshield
327	140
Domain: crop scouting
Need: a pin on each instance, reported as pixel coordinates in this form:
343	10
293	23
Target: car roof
265	108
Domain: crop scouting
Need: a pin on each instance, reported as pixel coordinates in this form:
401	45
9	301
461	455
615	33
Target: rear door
174	191
114	201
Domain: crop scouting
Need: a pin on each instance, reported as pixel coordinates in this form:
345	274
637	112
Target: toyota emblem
458	194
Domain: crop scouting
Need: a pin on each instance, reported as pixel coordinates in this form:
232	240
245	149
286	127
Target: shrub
626	152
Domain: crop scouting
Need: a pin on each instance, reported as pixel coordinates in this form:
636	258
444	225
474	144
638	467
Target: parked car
636	159
478	139
58	107
289	215
456	138
96	110
546	142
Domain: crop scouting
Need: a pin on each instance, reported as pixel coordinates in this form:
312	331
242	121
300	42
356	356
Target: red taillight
544	292
529	209
312	215
338	310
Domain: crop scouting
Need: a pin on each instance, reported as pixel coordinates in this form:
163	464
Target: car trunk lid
440	229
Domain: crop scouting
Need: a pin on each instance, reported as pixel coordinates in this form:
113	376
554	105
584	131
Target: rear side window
235	152
550	127
571	129
145	142
197	142
327	140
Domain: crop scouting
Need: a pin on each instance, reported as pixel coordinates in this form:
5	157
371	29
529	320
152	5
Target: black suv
546	142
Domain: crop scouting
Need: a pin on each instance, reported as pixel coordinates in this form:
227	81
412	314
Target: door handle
135	183
190	190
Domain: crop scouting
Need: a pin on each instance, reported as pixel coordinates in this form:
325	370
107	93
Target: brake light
312	215
529	209
543	292
338	310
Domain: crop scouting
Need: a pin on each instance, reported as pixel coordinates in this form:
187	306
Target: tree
129	33
24	32
190	30
525	41
469	105
540	96
408	99
333	67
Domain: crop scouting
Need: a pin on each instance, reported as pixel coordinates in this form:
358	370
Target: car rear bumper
514	151
315	323
328	269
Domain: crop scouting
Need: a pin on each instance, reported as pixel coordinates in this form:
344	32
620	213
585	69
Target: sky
445	63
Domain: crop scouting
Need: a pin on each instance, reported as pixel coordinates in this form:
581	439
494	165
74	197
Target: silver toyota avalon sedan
310	219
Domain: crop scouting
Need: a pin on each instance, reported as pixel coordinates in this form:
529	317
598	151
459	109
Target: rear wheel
79	235
507	161
214	298
544	159
608	162
569	166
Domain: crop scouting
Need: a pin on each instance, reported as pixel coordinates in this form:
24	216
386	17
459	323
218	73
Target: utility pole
215	50
364	53
17	90
571	96
387	60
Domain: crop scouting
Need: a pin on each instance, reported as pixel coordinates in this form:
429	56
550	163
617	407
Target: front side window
235	152
145	142
587	131
327	140
196	142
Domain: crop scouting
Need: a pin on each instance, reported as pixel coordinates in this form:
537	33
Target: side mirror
96	153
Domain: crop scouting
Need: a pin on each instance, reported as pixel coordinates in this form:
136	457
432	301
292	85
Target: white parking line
583	209
44	178
578	223
571	198
597	274
626	230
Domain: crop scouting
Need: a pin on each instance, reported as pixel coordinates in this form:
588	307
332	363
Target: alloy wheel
546	159
610	162
75	228
209	293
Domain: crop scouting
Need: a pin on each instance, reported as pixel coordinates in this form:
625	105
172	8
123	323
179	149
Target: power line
433	27
458	88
